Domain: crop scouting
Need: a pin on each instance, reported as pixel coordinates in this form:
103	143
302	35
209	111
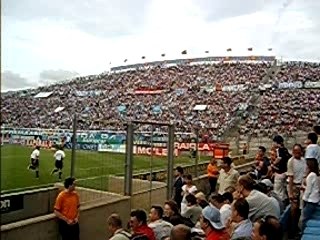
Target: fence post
197	153
128	161
74	143
170	161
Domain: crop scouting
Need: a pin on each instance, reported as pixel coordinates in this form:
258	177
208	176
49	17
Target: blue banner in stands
122	109
156	109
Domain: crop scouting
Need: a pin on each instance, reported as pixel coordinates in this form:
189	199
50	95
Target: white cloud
85	38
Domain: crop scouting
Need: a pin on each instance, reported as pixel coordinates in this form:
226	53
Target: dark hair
270	227
227	160
38	147
191	199
217	197
316	129
115	220
261	187
140	215
242	207
228	196
247	182
158	209
252	175
298	145
173	205
68	182
313	165
263	149
188	177
313	137
179	169
278	139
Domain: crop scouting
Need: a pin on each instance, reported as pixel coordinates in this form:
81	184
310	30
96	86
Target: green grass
93	165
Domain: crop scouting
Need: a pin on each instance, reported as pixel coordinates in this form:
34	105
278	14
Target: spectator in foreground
66	209
267	228
262	163
316	129
228	175
259	203
160	227
221	203
295	173
138	224
261	187
180	232
280	168
213	174
270	193
313	149
211	224
201	199
172	214
193	211
177	197
188	188
311	195
115	227
241	226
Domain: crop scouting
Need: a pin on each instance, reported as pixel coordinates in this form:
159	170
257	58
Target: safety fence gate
149	163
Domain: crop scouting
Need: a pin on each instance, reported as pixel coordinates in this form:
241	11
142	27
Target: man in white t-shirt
296	171
34	161
228	175
313	149
59	155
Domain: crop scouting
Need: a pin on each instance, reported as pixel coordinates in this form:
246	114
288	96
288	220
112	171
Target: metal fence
140	170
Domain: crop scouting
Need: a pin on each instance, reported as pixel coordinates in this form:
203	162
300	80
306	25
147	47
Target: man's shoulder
122	235
234	171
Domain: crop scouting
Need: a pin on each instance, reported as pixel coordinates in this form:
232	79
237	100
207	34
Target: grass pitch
91	168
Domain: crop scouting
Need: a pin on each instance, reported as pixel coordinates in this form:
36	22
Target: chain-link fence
98	157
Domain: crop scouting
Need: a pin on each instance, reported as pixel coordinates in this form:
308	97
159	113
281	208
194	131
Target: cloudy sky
45	41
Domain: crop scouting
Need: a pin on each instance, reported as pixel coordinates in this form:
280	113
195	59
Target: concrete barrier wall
144	194
93	216
116	185
35	203
143	200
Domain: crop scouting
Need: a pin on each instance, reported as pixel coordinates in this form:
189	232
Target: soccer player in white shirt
34	161
59	155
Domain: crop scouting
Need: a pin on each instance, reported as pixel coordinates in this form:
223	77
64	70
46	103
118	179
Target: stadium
160	120
246	100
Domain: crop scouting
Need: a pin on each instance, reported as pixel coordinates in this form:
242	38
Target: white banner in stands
290	85
309	84
234	88
115	148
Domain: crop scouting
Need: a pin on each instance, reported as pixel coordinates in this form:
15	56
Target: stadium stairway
312	231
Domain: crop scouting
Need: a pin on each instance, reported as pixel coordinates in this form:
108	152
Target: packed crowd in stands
302	71
278	200
285	112
170	93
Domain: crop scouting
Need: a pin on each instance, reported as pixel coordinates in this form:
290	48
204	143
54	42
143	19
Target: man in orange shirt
66	209
213	174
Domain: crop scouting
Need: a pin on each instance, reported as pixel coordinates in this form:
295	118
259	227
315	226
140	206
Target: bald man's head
180	232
